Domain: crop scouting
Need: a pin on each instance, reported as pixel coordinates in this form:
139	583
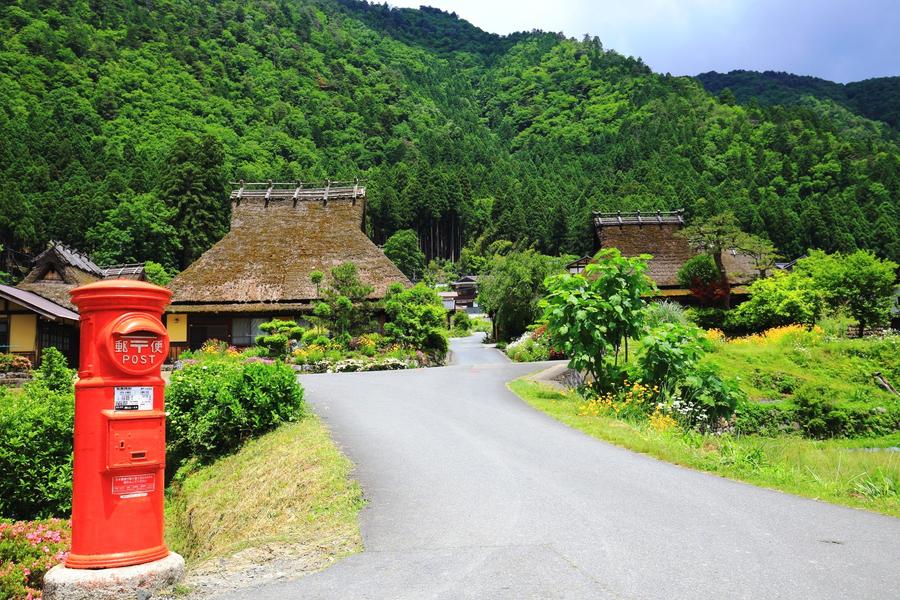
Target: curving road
473	494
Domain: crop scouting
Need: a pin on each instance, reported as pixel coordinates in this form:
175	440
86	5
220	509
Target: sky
840	40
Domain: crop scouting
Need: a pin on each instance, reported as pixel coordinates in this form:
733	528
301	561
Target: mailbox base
138	581
113	561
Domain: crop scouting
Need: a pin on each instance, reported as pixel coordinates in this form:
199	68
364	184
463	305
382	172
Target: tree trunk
723	279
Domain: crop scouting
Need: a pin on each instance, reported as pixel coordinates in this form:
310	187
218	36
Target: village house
635	233
466	288
38	313
260	270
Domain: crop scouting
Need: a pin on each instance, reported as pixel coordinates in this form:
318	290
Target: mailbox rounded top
121	293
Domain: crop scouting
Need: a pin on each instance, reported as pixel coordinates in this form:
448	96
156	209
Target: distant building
577	266
260	270
466	289
37	313
635	233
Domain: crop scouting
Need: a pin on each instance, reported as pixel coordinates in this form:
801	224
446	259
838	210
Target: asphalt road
473	494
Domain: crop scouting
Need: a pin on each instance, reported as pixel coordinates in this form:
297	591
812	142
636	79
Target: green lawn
850	472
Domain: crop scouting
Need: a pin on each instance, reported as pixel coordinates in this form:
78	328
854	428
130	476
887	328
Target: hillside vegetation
877	98
121	124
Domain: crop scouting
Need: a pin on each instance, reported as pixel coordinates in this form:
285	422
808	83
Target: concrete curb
548	376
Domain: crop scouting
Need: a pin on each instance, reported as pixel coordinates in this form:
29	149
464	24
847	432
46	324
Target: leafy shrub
859	282
701	275
707	400
707	318
698	270
214	406
28	549
13	363
36	451
821	414
279	335
590	315
665	311
315	335
157	273
511	288
461	324
818	412
756	418
416	319
669	352
54	372
778	300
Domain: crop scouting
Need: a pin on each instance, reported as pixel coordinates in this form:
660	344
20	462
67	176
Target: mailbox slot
135	439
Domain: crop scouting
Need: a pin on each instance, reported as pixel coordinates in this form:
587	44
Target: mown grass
289	486
857	473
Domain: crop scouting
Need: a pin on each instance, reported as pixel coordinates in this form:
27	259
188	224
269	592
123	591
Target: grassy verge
849	472
289	486
776	363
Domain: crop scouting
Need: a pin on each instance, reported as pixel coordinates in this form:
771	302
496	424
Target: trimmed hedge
36	452
217	404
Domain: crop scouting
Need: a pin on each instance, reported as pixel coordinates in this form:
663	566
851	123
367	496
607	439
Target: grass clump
291	485
857	473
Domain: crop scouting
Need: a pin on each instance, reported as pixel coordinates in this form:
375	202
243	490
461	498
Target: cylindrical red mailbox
120	426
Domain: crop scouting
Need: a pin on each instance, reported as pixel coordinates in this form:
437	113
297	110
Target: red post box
120	426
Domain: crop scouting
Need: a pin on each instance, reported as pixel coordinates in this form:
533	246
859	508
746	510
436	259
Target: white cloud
837	39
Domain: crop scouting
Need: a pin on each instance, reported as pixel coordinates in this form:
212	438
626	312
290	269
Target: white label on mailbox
134	398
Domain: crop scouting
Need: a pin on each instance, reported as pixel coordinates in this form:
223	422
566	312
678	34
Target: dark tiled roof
123	271
580	262
71	257
37	303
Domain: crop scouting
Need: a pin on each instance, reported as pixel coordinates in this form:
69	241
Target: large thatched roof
279	235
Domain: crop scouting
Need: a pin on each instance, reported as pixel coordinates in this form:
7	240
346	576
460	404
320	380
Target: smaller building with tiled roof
38	312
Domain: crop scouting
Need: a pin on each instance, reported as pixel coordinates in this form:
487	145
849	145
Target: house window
245	331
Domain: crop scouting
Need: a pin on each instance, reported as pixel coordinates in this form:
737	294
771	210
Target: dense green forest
877	99
123	121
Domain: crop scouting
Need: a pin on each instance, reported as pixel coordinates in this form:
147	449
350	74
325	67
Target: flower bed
350	365
12	363
533	346
28	549
369	352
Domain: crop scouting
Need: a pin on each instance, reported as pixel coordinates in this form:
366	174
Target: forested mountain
877	99
123	121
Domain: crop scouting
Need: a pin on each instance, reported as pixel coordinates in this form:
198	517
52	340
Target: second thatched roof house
656	233
279	235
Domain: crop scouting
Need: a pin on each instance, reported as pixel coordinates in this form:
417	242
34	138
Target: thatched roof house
637	233
38	312
280	233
